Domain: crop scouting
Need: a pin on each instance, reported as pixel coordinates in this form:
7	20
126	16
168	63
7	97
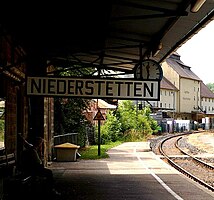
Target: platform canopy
106	34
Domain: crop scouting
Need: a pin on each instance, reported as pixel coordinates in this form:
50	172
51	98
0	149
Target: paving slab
132	171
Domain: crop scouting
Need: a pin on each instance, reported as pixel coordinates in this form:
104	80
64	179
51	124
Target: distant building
183	94
207	100
96	104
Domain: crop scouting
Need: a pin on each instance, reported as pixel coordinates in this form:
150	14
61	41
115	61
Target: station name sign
93	88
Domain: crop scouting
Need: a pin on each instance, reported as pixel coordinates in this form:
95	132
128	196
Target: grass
91	152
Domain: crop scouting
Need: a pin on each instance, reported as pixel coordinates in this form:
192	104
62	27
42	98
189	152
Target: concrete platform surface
131	172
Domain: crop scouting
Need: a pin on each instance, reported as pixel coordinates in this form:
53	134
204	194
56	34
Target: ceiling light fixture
196	5
157	50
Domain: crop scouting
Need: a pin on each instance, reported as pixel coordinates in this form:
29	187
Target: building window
161	105
194	98
169	105
169	93
165	105
165	93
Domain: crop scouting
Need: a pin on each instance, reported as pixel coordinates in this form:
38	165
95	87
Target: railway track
193	167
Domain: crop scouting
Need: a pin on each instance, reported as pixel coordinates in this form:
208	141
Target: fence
64	138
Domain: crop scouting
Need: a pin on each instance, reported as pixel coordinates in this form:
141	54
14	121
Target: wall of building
189	91
171	75
48	128
207	104
10	118
168	99
12	90
189	105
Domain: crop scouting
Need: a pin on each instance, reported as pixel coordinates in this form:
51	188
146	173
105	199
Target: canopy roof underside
104	34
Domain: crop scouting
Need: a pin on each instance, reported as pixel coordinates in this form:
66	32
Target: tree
128	123
126	115
68	112
146	123
111	129
210	86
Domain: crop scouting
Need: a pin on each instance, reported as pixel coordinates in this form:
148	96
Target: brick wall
10	118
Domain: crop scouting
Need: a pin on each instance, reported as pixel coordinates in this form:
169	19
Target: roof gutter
206	20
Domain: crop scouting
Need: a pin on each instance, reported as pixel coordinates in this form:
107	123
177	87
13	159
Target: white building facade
183	95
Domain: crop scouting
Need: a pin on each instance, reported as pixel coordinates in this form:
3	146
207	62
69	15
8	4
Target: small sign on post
99	117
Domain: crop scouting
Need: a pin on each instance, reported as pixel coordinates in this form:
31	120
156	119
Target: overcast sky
198	53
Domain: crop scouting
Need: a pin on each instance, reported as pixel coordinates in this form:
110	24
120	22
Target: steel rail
193	157
176	166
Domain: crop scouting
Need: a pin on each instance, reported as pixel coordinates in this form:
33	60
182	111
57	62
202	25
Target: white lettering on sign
94	88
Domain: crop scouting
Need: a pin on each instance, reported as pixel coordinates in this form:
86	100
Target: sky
198	53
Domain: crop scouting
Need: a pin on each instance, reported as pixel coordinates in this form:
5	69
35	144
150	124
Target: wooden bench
15	183
25	187
7	164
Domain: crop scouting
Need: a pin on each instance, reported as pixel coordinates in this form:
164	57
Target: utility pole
173	112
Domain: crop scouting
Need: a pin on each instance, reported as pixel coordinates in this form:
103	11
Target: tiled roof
166	84
183	70
205	91
104	104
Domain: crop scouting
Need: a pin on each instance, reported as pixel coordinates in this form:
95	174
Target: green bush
128	124
110	130
133	136
2	130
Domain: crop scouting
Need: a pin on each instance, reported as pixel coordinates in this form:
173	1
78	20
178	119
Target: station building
29	50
